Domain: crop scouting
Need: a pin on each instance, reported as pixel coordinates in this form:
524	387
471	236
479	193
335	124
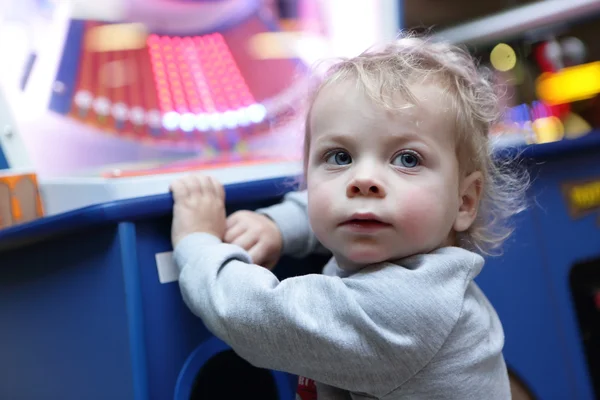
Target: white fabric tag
167	269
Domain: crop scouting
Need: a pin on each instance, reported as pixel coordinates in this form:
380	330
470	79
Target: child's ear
470	195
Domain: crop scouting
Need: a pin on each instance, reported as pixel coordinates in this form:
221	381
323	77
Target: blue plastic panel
64	324
566	241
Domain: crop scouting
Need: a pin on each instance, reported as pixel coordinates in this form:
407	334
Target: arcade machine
89	297
160	98
219	90
544	57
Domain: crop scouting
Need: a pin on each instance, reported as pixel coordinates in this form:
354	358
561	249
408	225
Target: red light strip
160	74
170	56
199	78
186	65
236	89
211	64
197	75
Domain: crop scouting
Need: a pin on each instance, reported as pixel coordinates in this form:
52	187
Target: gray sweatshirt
417	328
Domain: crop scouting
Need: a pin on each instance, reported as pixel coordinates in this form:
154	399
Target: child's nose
365	187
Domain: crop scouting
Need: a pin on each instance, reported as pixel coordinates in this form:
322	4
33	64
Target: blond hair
385	73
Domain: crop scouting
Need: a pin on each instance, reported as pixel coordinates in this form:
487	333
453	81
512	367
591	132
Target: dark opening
585	289
227	376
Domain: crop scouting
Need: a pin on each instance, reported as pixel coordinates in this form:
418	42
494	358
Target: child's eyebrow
407	137
333	137
393	139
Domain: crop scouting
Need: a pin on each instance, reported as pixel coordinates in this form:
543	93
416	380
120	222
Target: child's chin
366	257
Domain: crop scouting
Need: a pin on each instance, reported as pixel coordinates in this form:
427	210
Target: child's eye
406	159
339	158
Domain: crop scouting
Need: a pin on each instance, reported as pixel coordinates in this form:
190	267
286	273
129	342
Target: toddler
402	190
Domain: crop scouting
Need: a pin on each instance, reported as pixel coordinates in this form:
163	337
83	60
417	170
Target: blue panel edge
131	210
134	306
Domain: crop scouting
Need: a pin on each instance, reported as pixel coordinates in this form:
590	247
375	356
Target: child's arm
366	333
291	217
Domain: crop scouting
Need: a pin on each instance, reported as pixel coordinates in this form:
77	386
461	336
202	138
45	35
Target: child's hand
257	234
199	207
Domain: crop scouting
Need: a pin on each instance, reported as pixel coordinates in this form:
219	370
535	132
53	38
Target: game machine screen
129	92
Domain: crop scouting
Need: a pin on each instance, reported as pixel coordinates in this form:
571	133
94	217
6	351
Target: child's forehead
348	110
352	98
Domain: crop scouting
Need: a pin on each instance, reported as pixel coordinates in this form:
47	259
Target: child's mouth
365	225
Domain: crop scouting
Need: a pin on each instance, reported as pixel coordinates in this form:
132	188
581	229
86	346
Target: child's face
382	185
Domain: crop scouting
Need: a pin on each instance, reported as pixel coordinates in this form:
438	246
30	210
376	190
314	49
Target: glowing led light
120	111
503	57
153	119
257	113
202	122
199	85
570	84
171	121
242	117
549	129
215	121
137	115
230	119
188	122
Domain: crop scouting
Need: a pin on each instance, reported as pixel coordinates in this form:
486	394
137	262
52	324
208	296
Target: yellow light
503	57
585	196
283	45
569	84
116	37
549	129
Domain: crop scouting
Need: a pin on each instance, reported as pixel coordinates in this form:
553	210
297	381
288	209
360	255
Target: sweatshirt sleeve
367	333
291	217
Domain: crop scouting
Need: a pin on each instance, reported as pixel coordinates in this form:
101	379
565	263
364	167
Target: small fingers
207	185
233	220
203	184
246	241
258	253
239	217
179	190
217	188
234	232
187	185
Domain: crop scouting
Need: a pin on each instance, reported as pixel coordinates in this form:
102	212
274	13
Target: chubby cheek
425	218
320	199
